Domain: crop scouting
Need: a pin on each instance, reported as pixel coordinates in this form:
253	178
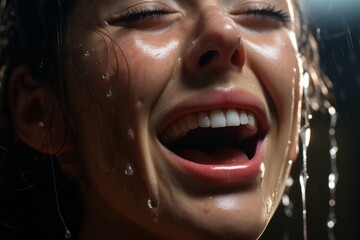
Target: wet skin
139	66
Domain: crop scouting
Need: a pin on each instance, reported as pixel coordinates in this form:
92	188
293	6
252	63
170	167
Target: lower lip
236	172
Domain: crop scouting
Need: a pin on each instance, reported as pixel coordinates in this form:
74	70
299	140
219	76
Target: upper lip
219	98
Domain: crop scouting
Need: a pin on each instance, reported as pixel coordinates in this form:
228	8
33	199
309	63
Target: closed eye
269	12
135	14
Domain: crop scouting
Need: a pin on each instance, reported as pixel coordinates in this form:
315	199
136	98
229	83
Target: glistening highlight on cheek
156	51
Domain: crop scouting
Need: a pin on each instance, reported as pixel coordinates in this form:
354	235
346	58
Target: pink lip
238	171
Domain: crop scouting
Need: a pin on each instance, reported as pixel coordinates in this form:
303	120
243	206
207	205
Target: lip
238	172
231	174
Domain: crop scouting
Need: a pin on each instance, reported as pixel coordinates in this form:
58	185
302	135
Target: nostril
208	57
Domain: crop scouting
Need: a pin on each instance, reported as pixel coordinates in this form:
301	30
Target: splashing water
333	176
304	176
305	135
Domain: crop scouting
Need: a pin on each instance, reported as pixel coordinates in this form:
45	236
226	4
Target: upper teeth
216	118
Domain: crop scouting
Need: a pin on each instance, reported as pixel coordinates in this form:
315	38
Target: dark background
337	26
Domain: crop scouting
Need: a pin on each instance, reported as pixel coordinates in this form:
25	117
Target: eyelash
270	12
139	14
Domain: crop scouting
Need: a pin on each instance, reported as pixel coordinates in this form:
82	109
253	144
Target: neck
92	229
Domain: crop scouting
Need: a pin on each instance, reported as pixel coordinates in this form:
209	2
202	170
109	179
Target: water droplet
139	104
331	224
180	61
41	124
109	94
131	134
262	170
152	204
332	202
67	234
333	176
289	182
105	76
87	54
129	170
41	65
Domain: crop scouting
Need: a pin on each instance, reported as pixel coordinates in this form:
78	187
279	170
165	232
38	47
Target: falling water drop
333	176
67	234
286	200
305	135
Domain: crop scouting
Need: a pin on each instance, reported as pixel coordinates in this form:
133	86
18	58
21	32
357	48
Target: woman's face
185	112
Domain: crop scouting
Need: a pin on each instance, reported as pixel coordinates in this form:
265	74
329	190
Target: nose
218	45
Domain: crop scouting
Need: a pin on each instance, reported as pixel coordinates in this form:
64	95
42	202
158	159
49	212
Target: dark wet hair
33	33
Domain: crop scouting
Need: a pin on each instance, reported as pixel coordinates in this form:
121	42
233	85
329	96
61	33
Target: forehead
222	2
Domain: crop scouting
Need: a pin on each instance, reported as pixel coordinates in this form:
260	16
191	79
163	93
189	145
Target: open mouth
218	136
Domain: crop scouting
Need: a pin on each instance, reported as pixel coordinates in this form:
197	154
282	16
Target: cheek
276	64
158	58
107	83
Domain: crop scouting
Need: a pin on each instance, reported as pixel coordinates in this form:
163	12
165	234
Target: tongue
214	157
